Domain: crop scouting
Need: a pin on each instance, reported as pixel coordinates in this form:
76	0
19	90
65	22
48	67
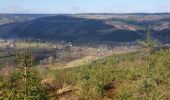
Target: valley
92	56
60	54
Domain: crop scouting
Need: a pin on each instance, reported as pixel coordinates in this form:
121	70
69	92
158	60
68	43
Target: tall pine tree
30	79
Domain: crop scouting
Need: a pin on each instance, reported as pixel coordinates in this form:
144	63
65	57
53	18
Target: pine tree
32	88
149	43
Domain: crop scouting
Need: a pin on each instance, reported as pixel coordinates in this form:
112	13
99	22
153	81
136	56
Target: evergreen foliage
149	43
25	84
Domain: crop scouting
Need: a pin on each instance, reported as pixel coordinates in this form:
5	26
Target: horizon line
94	13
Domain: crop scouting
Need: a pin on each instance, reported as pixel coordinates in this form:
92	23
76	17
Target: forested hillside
91	27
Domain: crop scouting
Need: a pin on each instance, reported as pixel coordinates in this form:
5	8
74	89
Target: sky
84	6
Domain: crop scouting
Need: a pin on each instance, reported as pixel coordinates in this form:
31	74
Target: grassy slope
134	79
75	63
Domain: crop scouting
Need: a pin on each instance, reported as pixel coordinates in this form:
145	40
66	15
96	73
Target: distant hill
89	27
12	18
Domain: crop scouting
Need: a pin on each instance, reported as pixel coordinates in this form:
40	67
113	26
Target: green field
132	77
31	44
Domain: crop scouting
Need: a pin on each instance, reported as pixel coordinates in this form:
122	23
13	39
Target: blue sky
84	6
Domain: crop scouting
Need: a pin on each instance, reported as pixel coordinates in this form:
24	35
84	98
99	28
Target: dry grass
75	63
